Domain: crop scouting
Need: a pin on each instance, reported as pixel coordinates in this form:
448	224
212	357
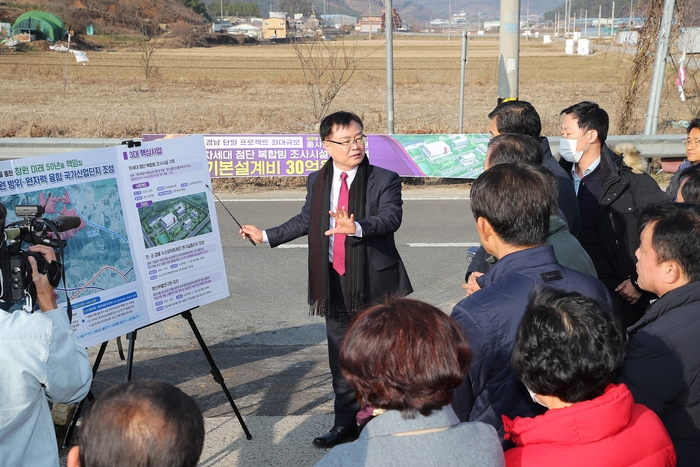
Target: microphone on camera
64	223
12	233
61	223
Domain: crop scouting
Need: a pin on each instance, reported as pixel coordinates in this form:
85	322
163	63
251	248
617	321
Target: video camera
15	269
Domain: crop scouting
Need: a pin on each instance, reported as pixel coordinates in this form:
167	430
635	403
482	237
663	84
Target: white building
459	141
689	40
180	209
220	26
436	150
338	21
246	29
168	220
468	160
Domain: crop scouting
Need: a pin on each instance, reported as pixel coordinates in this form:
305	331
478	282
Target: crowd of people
580	317
576	344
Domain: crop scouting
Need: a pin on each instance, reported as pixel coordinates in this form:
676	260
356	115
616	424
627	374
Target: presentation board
148	245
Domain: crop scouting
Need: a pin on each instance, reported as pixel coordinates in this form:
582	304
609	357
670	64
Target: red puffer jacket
609	431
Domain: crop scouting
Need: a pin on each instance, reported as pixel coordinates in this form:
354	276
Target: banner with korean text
444	155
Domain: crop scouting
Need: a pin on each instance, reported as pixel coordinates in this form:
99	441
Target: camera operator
41	361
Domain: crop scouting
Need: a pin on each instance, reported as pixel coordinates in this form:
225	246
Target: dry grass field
260	89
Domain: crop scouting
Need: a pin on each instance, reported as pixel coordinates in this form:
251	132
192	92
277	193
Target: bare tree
639	77
690	18
327	67
146	17
149	44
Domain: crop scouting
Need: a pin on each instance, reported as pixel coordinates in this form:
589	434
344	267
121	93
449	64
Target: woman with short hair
566	354
405	358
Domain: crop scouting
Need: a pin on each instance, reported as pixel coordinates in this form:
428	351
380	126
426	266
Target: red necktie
339	239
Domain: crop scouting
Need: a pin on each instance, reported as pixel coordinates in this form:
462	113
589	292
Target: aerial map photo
97	253
454	156
175	219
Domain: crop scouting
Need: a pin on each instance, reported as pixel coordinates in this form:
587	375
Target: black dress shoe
337	435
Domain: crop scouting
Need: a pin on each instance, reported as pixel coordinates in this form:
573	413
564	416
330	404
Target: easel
131	337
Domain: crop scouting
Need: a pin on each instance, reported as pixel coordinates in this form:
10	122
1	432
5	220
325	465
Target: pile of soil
41	45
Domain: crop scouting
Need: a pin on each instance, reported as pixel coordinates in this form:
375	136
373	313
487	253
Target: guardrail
663	146
19	148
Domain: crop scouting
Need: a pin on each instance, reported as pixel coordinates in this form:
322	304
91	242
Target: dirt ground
260	89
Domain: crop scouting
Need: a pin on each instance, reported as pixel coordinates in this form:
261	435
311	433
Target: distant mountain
427	9
424	10
421	9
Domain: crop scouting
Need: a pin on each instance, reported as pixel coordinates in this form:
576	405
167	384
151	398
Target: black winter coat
662	367
623	196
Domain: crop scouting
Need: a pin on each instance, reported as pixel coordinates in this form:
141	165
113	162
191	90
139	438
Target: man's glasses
360	141
691	142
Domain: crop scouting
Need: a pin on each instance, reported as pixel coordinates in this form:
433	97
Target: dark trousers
346	405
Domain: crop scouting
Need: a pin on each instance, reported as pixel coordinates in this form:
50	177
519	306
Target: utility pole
449	20
509	50
527	21
465	60
65	71
612	21
370	19
657	80
631	21
389	28
600	18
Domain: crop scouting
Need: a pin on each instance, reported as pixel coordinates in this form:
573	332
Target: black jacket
490	319
385	273
662	367
567	195
675	183
623	196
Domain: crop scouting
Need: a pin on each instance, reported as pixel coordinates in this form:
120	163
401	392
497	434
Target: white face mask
567	149
534	396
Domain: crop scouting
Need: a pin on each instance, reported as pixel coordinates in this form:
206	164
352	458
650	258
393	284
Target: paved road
272	355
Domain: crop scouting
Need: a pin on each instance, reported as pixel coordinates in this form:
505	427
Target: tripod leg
120	348
131	337
215	371
90	396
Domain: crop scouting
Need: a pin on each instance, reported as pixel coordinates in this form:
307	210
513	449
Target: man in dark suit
351	212
520	117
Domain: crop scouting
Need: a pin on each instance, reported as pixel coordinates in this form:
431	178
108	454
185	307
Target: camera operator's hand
44	290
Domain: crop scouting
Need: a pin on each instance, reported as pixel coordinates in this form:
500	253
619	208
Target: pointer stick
229	213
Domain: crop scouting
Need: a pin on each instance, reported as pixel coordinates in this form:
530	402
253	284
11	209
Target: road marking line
412	245
282	200
442	245
264	200
443	198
